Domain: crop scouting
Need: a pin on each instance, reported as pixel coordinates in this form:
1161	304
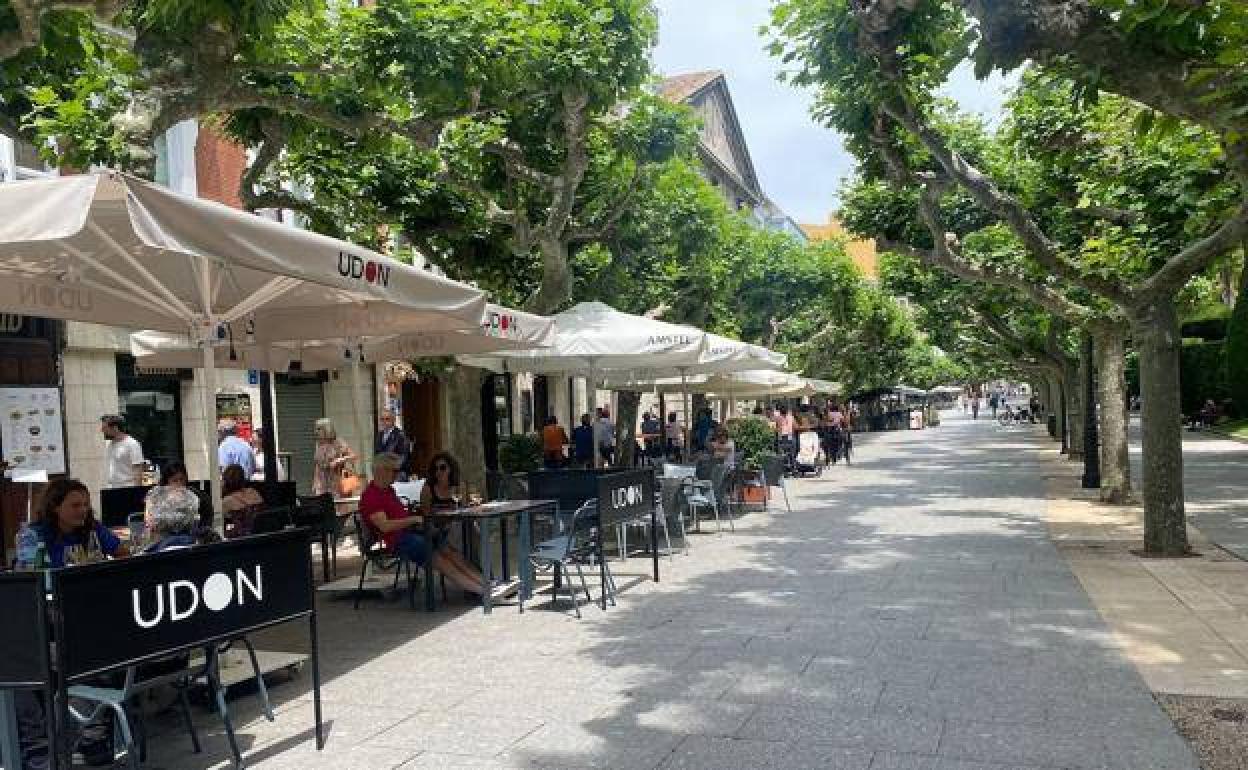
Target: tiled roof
679	88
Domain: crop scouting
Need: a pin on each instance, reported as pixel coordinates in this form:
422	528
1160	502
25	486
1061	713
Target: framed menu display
31	437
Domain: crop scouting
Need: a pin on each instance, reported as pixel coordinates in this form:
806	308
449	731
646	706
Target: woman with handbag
333	464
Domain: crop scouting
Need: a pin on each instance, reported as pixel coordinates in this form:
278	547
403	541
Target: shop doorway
300	402
422	420
541	401
495	415
151	402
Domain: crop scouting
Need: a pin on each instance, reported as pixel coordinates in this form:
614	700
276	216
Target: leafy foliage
753	437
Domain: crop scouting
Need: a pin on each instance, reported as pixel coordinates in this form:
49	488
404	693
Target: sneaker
502	590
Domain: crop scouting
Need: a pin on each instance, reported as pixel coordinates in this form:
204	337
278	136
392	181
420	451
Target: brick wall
219	164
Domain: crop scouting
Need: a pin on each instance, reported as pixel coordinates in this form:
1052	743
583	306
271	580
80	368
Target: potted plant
754	438
520	453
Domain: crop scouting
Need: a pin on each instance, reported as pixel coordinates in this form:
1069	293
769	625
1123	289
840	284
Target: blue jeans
413	548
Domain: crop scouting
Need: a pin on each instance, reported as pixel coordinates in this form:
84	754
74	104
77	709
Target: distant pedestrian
391	439
675	437
233	450
124	457
604	436
553	439
583	442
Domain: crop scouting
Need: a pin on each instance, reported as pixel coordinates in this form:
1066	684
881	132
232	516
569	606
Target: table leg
602	568
430	600
10	746
654	540
487	566
526	576
502	544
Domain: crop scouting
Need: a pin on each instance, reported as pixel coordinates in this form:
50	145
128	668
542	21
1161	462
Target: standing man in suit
390	438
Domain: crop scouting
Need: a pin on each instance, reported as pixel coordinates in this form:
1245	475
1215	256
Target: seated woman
724	448
383	512
174	520
239	502
65	528
440	490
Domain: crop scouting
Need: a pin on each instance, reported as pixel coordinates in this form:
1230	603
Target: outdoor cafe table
486	516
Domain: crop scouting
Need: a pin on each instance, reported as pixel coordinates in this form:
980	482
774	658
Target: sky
799	163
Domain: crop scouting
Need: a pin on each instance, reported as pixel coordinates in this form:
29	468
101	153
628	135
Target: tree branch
1052	31
607	224
517	167
30	15
575	163
1006	207
1196	257
276	136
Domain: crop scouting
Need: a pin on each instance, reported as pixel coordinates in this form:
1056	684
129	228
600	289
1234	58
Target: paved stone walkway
1214	484
911	612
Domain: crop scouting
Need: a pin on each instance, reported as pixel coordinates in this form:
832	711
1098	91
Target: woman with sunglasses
442	492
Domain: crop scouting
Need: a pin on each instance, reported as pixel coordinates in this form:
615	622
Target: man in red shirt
385	514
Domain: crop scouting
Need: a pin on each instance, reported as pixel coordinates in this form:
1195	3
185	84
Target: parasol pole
365	448
209	394
684	387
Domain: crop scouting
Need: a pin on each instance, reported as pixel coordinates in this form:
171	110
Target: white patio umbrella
501	328
720	355
111	249
594	337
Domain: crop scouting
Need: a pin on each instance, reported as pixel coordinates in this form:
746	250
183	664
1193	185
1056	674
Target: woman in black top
442	492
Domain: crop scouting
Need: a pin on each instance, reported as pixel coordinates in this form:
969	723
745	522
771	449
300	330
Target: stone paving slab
1182	622
911	612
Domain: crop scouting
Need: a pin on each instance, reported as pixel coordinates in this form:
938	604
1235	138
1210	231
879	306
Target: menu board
30	429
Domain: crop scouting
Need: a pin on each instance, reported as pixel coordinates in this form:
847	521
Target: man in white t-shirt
124	456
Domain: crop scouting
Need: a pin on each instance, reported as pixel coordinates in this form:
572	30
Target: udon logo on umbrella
368	271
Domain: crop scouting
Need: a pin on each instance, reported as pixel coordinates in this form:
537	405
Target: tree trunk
1155	328
1074	410
1112	393
626	403
556	278
464	402
1058	405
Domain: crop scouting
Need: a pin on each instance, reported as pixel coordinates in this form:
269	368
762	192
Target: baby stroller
809	457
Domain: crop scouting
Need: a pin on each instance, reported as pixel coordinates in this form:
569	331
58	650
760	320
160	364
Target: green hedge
1202	375
1237	355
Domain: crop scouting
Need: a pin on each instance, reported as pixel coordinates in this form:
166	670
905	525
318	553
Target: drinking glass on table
474	497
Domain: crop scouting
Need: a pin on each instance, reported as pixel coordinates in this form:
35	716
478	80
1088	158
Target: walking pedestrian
124	457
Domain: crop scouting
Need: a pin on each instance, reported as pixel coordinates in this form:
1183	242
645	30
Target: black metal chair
320	516
375	553
772	475
272	520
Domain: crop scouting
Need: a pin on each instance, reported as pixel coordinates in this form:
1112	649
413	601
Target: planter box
757	495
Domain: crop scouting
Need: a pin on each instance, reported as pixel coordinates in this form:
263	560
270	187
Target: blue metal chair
575	547
175	671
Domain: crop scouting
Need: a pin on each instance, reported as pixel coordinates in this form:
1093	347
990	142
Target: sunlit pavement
911	612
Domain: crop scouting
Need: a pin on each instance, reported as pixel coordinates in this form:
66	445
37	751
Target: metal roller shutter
299	406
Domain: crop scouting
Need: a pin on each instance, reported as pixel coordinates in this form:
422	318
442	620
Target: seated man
383	512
